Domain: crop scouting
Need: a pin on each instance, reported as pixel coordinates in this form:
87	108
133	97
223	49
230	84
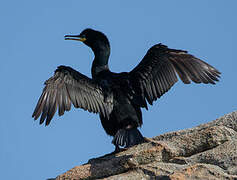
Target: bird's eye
83	36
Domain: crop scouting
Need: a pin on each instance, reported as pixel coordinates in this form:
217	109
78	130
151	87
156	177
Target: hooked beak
74	37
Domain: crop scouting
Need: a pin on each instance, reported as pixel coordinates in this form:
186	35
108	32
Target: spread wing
156	73
68	86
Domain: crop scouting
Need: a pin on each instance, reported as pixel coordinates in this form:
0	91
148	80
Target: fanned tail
128	138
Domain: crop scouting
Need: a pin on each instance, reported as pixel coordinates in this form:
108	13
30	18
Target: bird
119	97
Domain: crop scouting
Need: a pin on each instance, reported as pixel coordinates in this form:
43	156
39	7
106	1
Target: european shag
119	97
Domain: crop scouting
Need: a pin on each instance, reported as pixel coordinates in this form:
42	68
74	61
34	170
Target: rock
208	151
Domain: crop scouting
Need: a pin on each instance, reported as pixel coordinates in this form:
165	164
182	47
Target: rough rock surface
208	151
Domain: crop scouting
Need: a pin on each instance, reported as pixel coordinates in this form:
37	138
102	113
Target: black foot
117	149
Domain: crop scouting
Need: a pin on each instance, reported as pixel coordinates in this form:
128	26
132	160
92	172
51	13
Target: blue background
32	46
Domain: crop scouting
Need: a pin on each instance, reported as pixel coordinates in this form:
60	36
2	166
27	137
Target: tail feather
128	137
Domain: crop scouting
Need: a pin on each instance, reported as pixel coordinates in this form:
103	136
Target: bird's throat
100	62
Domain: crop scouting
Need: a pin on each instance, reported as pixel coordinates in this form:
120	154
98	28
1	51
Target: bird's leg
117	149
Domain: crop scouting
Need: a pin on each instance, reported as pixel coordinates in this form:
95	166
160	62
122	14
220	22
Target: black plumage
119	97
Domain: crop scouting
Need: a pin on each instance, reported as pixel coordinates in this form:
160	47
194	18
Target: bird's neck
100	62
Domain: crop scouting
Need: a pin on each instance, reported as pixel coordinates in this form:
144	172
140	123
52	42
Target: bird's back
125	107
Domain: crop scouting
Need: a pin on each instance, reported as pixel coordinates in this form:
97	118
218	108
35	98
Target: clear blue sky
32	46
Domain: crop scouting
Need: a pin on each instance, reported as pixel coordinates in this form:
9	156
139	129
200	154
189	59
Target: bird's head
94	39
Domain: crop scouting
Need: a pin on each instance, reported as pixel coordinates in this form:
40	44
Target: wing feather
67	87
156	73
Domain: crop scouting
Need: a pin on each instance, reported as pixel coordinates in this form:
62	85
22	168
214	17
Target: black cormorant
119	97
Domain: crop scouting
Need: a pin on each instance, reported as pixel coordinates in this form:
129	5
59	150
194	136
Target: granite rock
208	151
